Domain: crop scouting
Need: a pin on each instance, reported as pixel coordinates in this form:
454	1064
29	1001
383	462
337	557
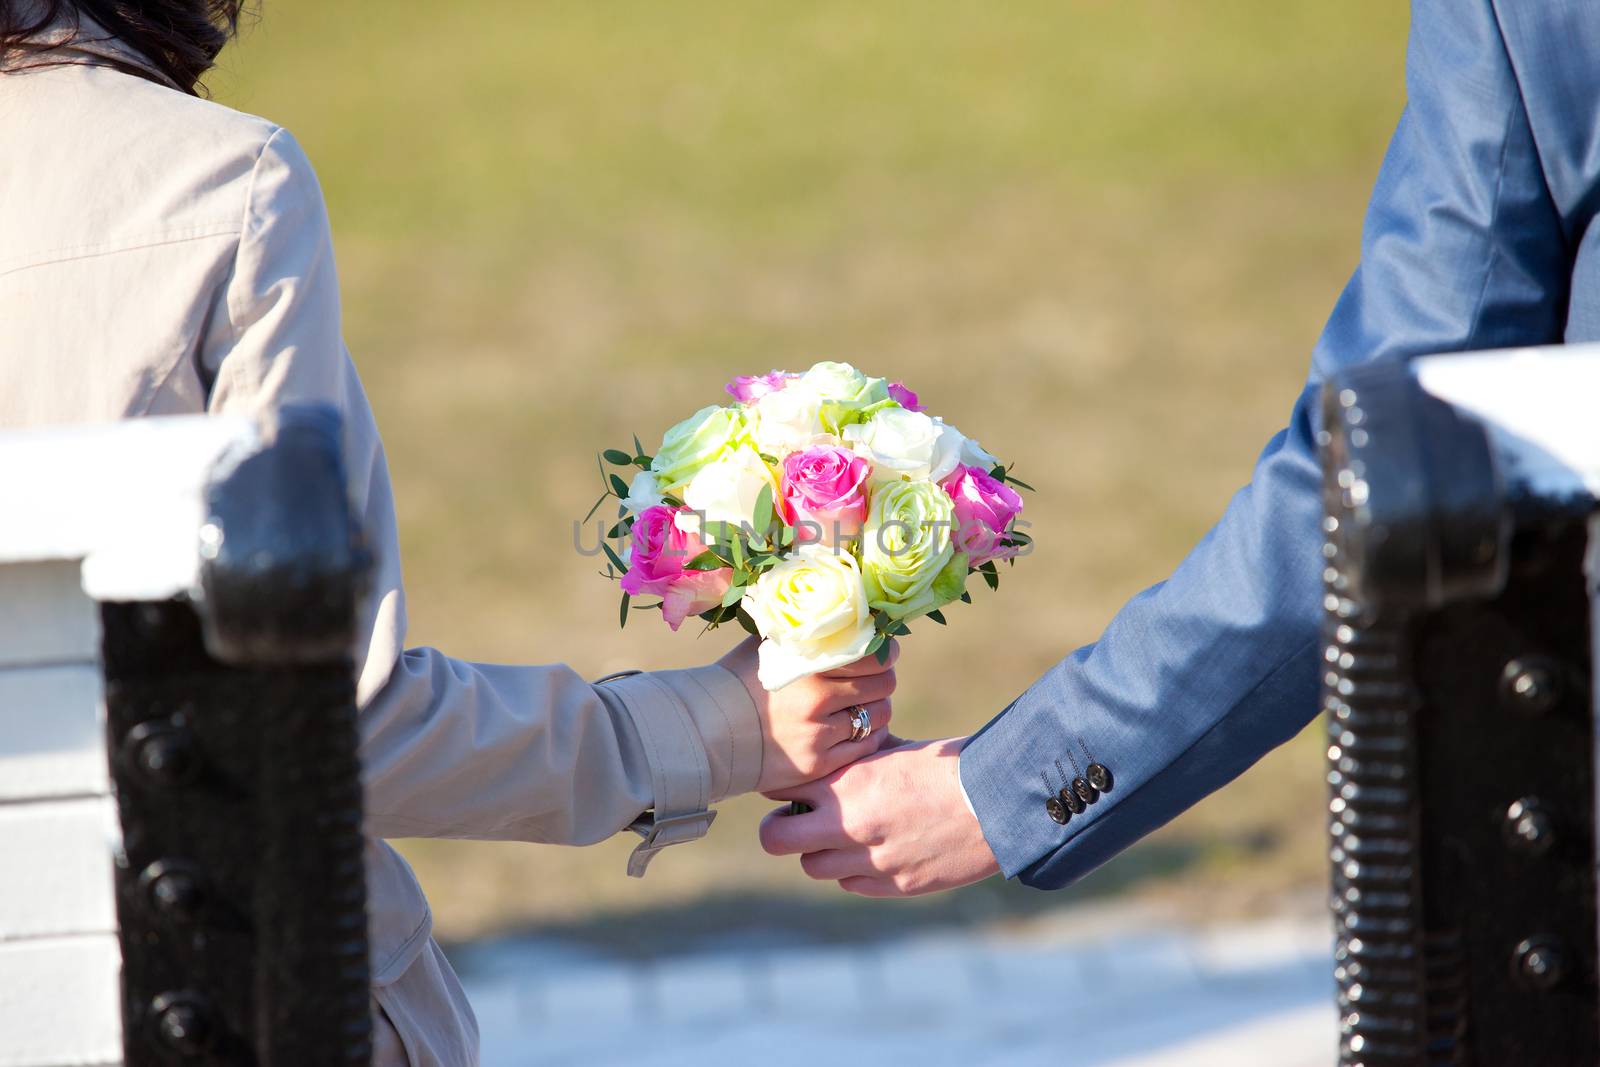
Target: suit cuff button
1057	810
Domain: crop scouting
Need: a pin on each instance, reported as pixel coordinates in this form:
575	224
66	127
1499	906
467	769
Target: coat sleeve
450	748
1198	677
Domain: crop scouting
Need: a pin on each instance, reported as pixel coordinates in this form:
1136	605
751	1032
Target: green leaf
1020	484
620	486
966	598
734	594
619	530
938	617
744	620
624	610
786	536
771	461
603	498
764	510
991	575
643	462
705	561
648	607
883	652
668	498
998	472
638	449
717	616
737	545
617	458
876	643
616	560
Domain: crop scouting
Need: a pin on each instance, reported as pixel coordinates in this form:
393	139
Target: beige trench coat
161	254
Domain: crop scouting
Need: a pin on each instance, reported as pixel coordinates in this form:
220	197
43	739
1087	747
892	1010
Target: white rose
788	420
644	492
812	611
966	450
726	489
841	381
904	444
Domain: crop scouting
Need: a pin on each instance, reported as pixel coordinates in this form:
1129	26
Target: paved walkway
1086	992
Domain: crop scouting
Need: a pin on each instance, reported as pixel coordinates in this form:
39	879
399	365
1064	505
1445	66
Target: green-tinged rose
842	382
707	435
952	581
908	561
847	396
835	415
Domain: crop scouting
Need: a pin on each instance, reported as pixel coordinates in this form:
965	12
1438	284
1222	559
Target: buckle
651	827
676	829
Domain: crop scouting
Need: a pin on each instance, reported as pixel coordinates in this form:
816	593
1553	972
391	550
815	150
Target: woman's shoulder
104	158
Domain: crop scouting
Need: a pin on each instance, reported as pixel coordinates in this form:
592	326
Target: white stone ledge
1542	407
125	498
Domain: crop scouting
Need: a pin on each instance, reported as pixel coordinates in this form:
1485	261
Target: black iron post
1461	742
241	896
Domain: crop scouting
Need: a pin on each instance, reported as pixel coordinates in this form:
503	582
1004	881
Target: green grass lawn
1101	237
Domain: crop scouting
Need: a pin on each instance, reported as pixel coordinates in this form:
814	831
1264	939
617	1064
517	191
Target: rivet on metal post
1530	685
161	753
1528	828
174	889
182	1023
1539	964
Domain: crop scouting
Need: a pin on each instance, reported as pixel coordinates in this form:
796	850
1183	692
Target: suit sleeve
1198	677
451	748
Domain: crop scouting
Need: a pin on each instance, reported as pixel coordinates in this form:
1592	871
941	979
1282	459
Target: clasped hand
888	817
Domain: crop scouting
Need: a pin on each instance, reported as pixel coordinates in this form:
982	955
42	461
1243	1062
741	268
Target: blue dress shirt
1478	236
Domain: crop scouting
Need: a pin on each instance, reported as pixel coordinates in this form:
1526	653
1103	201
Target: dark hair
181	38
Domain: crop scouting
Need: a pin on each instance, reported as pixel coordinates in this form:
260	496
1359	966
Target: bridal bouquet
821	511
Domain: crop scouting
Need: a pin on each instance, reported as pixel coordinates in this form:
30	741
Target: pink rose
661	552
748	388
904	397
983	513
825	487
694	592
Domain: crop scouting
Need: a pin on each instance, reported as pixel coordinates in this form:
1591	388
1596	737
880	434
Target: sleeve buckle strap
680	775
660	832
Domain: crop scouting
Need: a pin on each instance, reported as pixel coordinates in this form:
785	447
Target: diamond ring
860	723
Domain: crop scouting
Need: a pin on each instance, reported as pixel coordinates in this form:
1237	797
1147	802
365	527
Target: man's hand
805	726
893	825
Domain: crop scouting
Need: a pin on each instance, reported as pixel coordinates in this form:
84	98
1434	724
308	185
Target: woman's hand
805	726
